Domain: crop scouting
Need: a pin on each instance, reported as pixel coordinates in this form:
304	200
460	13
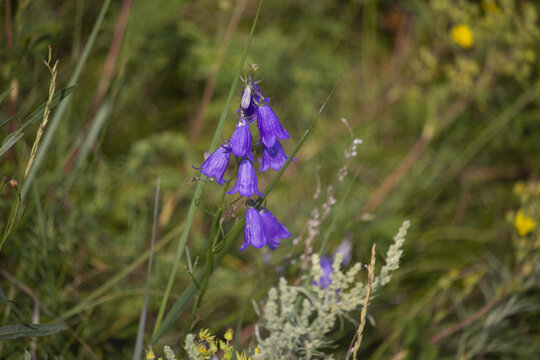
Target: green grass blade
488	133
15	136
140	332
83	305
57	99
299	145
198	189
59	114
184	299
29	330
10	140
4	94
97	124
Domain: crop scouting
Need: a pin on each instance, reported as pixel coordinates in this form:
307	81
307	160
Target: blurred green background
449	129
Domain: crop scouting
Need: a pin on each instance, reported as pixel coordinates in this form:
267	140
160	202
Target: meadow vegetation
412	201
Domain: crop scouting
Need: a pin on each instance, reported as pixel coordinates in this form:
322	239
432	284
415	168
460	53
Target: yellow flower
228	335
463	35
523	224
150	354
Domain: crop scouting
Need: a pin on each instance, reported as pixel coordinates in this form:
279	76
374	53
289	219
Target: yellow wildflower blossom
463	35
228	335
523	224
150	354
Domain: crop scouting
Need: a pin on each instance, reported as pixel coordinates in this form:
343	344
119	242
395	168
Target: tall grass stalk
62	108
139	342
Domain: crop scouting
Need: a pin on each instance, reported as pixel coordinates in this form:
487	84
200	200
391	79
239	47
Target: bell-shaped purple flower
326	266
274	229
345	250
246	184
269	126
216	164
241	140
254	231
273	157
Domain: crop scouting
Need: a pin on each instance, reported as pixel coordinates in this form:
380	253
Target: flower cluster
524	224
262	228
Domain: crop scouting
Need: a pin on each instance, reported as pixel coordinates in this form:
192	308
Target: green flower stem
184	299
198	189
214	235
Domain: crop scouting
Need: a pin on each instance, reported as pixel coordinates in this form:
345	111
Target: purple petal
241	140
274	228
254	232
269	126
273	157
216	164
246	183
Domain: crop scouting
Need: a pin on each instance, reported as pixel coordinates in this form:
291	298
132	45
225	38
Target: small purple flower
274	228
216	164
345	250
254	232
273	157
246	184
241	140
269	126
326	266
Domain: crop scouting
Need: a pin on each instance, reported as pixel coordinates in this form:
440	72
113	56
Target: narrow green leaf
38	113
140	333
4	94
29	330
188	294
59	114
10	140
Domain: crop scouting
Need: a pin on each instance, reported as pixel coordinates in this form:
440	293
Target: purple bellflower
274	229
345	250
246	184
241	140
269	126
326	266
273	157
216	164
254	232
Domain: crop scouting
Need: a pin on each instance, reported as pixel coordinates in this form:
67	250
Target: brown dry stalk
46	112
112	56
211	82
363	314
447	117
107	74
465	322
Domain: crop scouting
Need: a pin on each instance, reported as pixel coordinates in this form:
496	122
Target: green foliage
447	130
10	332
